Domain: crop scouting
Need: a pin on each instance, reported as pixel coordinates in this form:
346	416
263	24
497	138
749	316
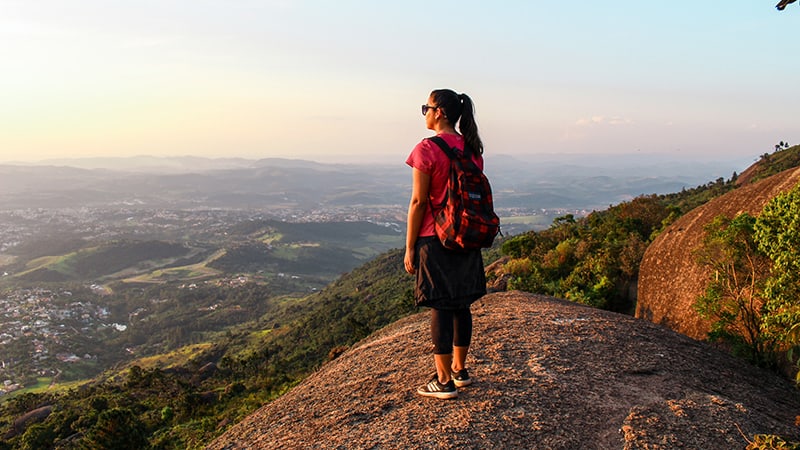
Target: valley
78	285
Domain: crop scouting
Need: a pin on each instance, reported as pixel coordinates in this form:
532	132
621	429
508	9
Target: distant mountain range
546	182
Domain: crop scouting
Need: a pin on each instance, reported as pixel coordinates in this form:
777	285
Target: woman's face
430	116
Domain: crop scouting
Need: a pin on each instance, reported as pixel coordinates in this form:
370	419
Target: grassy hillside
107	259
322	250
248	344
771	163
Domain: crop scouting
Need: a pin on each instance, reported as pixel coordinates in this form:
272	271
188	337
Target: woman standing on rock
447	281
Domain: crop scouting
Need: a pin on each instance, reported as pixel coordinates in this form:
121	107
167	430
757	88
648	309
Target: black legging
450	327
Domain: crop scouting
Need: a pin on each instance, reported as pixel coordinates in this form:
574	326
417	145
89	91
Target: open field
178	357
183	273
535	222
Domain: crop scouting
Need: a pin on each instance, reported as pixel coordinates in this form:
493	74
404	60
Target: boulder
671	280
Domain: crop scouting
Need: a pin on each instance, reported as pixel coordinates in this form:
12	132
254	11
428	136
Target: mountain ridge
191	182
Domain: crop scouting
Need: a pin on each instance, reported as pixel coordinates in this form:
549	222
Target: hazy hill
563	181
549	374
258	184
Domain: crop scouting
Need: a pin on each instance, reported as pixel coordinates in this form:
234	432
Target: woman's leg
443	363
442	322
459	358
462	337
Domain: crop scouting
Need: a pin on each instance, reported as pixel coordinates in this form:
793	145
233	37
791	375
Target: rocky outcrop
670	280
496	275
22	422
548	374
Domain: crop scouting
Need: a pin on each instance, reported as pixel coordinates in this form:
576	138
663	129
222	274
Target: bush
734	298
777	231
753	296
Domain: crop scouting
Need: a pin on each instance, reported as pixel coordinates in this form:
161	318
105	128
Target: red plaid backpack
466	219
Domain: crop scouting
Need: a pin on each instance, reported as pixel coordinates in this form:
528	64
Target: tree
37	436
733	299
593	260
777	232
753	296
781	146
117	428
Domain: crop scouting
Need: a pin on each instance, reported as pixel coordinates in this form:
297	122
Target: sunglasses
425	108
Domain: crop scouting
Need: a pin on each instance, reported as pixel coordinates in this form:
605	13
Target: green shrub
771	442
777	232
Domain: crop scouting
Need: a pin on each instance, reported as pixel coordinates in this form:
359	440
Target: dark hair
459	106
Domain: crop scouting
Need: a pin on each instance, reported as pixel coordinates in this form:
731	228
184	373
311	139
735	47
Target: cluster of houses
35	325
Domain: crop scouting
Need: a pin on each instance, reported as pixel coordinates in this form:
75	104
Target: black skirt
447	279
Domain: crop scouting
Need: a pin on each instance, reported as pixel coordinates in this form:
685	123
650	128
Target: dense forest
203	375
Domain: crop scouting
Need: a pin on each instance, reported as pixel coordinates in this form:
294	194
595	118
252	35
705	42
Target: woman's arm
420	188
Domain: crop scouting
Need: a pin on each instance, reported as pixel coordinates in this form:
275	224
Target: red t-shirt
428	158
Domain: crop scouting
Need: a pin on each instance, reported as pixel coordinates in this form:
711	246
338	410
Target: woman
447	281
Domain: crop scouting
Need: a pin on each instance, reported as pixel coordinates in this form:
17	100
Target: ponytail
459	106
467	125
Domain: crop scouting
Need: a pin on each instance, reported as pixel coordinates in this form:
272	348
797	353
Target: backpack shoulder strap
443	145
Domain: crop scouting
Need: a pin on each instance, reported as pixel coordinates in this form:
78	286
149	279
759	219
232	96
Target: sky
343	81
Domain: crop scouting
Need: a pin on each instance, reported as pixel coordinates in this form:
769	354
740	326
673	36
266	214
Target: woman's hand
409	261
416	210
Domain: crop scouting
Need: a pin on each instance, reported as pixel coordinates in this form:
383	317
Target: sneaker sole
440	395
462	383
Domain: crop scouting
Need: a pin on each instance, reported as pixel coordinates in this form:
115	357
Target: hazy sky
344	79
